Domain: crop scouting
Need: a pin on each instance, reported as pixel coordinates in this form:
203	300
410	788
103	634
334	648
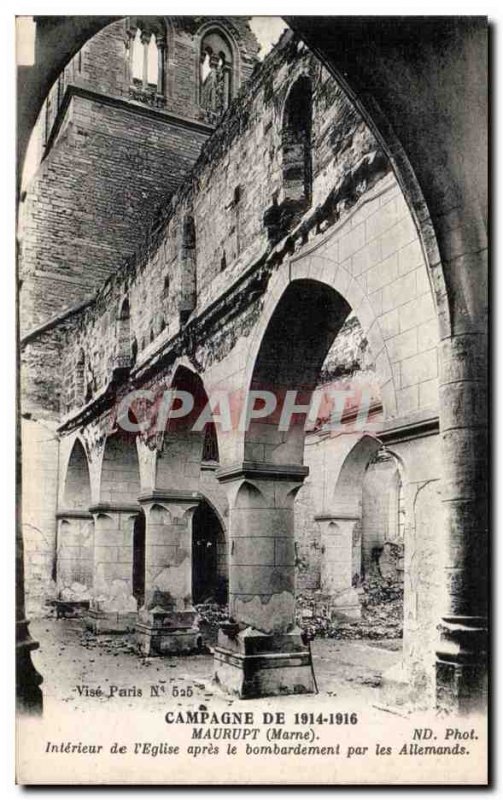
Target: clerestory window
147	59
216	73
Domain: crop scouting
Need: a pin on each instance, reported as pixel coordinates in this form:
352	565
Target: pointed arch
147	48
298	336
124	350
77	491
210	558
296	142
218	69
184	444
120	469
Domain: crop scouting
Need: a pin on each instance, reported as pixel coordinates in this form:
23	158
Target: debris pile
115	597
381	613
211	615
75	593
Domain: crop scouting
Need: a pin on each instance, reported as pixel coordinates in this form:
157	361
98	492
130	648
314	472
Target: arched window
237	213
152	62
79	386
210	444
188	281
137	57
296	142
216	73
147	45
123	337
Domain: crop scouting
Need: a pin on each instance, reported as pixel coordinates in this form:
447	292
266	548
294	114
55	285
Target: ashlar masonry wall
244	152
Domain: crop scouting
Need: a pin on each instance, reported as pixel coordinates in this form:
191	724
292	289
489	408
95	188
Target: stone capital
118	508
261	470
73	513
171	496
333	516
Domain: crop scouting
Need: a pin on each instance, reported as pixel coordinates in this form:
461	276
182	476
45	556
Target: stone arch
75	529
181	443
291	352
248	496
320	269
77	484
379	513
347	496
120	472
210	556
397	335
347	543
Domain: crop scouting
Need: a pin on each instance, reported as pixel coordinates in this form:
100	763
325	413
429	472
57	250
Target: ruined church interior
204	218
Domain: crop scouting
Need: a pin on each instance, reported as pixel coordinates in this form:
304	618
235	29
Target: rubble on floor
382	613
211	615
75	592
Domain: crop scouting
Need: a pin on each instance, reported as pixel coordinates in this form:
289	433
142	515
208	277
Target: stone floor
69	657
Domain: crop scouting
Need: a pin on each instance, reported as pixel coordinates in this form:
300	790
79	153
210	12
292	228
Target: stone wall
102	64
379	512
250	135
39	453
93	197
110	162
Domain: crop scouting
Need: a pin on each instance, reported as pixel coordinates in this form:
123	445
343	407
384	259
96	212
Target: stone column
113	608
145	40
160	64
260	651
168	621
461	670
337	536
130	36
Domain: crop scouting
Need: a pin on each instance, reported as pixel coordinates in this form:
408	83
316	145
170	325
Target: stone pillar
145	40
160	64
337	536
130	34
168	621
28	692
260	651
461	670
113	608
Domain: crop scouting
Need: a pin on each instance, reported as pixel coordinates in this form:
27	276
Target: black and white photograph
252	406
